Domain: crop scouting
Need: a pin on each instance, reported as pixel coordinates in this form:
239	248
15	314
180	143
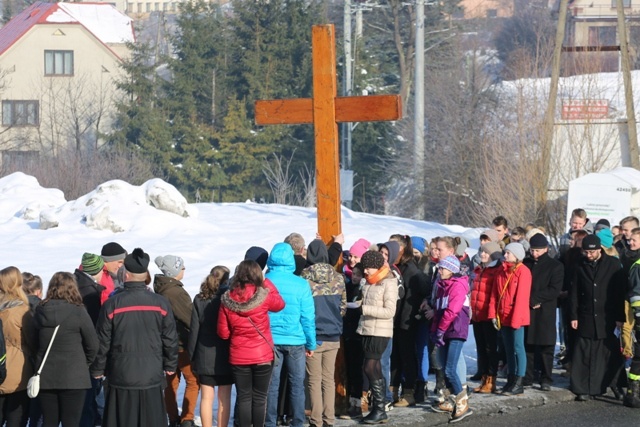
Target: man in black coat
547	278
597	307
138	346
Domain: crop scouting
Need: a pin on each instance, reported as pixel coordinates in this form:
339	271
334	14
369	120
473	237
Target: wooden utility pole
628	87
549	117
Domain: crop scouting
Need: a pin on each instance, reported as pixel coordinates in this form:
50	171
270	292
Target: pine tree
139	124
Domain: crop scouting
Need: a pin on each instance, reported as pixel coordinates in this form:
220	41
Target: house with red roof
59	64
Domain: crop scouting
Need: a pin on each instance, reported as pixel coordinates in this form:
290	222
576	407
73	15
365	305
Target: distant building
137	8
474	9
59	63
594	23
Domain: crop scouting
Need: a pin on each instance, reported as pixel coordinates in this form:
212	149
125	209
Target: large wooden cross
325	110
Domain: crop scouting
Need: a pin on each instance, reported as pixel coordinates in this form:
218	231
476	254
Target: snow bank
21	196
117	205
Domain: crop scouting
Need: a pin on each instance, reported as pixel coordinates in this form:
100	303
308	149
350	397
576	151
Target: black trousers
62	406
404	361
134	407
14	409
252	387
486	347
354	359
545	354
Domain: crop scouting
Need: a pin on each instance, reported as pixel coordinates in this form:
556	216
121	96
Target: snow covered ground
41	232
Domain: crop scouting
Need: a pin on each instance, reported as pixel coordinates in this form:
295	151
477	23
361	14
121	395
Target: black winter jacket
209	353
73	350
547	276
416	290
90	292
138	339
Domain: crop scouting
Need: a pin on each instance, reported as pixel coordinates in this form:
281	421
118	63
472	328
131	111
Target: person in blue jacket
293	330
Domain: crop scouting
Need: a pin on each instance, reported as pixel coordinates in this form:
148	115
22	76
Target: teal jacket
295	325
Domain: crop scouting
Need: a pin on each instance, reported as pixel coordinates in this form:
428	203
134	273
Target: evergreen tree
139	124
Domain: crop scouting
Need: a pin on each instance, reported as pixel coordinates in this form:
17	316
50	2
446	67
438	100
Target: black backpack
3	356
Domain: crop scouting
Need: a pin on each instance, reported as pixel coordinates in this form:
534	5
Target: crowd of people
111	352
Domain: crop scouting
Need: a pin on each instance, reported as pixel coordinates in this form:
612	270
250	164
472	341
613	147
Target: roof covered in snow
102	20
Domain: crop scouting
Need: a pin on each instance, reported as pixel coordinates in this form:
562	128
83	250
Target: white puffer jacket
379	307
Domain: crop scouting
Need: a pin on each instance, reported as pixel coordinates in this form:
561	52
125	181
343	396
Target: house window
602	36
139	7
625	3
157	6
16	160
492	13
58	62
20	113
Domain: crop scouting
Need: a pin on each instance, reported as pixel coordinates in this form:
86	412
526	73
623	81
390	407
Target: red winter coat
513	307
483	281
248	346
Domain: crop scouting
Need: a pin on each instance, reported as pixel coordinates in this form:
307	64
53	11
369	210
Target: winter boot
461	409
355	408
632	397
406	400
377	414
517	388
511	381
395	393
446	405
438	391
419	392
489	385
482	384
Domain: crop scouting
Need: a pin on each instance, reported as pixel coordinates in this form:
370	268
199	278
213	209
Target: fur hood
244	303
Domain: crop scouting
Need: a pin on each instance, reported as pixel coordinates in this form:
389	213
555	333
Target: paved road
596	413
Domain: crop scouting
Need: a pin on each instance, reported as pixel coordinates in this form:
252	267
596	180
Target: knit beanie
451	263
170	265
418	243
517	250
372	259
490	234
92	264
257	254
492	249
317	252
603	223
112	251
359	247
137	262
538	241
591	242
393	248
606	237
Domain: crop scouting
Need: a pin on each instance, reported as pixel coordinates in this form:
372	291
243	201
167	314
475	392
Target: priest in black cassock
138	345
596	301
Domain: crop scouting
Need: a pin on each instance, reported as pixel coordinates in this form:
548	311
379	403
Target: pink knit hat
360	247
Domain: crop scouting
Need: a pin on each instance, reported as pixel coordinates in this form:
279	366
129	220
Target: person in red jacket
244	320
509	312
486	336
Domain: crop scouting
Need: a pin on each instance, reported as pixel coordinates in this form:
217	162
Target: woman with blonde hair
19	334
65	377
210	353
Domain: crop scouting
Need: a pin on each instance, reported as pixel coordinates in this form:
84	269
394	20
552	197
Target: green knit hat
92	264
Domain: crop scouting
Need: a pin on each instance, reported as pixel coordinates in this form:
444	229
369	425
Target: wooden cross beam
325	110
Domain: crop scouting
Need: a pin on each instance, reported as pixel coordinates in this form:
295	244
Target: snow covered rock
22	196
164	196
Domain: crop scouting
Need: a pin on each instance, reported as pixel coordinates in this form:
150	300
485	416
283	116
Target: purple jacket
452	307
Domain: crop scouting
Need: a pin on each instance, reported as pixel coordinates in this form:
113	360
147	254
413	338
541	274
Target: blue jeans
422	351
294	359
385	361
450	356
514	348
